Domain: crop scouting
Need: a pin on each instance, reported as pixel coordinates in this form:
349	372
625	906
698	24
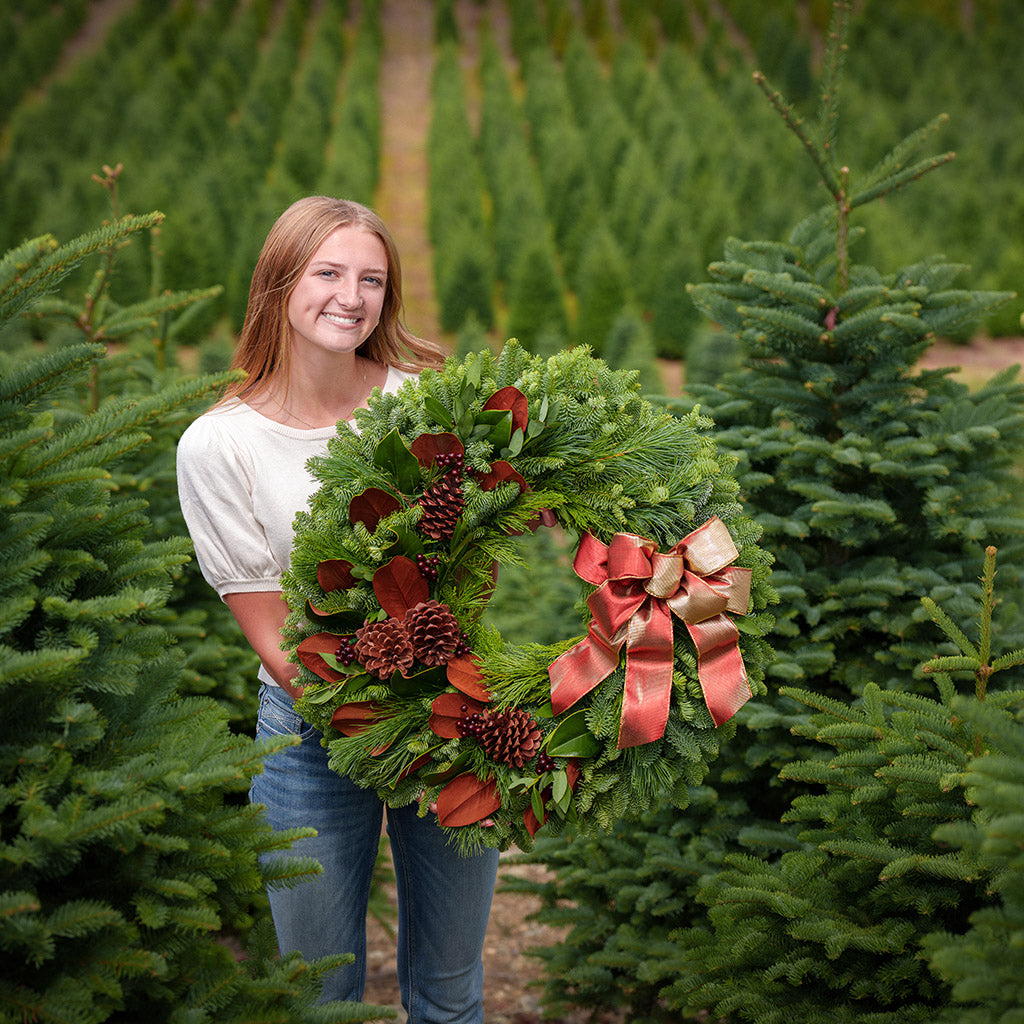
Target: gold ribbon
639	589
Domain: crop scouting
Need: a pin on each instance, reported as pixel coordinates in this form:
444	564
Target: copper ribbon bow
639	589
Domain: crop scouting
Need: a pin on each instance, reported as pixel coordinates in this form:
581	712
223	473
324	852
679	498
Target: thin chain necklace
313	426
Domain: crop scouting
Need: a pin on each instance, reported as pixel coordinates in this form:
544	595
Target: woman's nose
347	292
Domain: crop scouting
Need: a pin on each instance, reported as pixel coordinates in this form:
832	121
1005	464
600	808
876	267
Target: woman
321	331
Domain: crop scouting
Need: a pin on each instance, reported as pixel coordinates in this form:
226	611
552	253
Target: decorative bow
639	589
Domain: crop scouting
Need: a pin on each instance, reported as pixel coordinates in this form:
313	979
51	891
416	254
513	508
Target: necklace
295	416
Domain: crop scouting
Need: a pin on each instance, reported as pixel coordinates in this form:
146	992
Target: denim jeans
444	899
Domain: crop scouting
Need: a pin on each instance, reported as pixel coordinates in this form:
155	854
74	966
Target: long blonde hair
262	350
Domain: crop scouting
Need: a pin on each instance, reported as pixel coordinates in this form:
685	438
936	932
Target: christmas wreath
402	547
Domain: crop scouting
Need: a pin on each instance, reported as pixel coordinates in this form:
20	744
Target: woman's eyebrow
344	266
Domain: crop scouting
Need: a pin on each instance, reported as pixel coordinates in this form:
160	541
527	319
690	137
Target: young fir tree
122	851
876	484
834	929
219	663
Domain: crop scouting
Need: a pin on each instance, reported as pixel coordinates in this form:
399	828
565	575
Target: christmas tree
877	485
123	851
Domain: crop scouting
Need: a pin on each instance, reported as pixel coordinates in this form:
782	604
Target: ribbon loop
639	589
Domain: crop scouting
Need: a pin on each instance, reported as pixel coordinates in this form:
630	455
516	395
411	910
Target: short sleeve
215	489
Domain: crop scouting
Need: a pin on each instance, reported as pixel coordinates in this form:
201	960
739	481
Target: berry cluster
450	462
462	648
545	762
427	565
471	725
346	652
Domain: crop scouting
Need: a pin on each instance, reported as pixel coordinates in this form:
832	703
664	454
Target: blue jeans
444	899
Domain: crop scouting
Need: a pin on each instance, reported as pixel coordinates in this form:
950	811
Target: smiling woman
322	331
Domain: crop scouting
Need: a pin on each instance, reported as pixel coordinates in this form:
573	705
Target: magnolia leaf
447	709
319	696
311	651
393	456
560	791
464	675
347	621
512	399
501	472
355	669
572	738
351	719
334	574
537	804
427	447
466	800
419	682
433	778
500	435
371	506
399	586
438	412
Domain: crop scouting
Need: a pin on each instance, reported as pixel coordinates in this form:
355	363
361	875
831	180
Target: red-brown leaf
399	586
419	762
447	709
501	472
464	675
515	401
309	651
334	574
352	719
427	446
371	506
467	799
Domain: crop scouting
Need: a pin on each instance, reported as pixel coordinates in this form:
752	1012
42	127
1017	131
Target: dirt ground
511	977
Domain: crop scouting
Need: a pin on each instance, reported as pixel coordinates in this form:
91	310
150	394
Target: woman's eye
378	281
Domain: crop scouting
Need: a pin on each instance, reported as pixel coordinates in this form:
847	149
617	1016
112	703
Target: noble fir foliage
124	848
147	333
877	485
896	854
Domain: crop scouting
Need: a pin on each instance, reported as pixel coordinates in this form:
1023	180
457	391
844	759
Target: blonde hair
262	350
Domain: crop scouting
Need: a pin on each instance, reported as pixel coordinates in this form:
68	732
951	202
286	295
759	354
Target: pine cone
383	648
442	505
433	631
510	737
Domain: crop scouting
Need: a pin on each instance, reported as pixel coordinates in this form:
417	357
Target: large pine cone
442	505
433	631
383	648
509	737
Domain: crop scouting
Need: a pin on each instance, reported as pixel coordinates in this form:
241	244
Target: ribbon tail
720	669
576	672
647	693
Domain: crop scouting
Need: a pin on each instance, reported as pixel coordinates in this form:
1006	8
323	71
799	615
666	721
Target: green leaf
515	444
433	778
572	738
321	696
537	803
392	456
560	790
355	669
438	412
335	622
435	679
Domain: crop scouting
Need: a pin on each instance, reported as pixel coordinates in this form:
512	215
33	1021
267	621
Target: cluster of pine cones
428	633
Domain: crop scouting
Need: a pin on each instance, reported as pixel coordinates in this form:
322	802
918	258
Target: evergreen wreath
400	550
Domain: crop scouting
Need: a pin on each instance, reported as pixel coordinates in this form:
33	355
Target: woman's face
338	300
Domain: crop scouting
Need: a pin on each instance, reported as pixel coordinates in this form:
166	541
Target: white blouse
242	478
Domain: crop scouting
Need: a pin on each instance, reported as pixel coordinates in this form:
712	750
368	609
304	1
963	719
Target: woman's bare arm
261	616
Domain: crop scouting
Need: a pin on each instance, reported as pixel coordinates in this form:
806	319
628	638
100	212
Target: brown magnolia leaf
465	676
399	586
371	506
515	401
447	709
334	574
467	799
309	651
501	472
351	719
427	447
